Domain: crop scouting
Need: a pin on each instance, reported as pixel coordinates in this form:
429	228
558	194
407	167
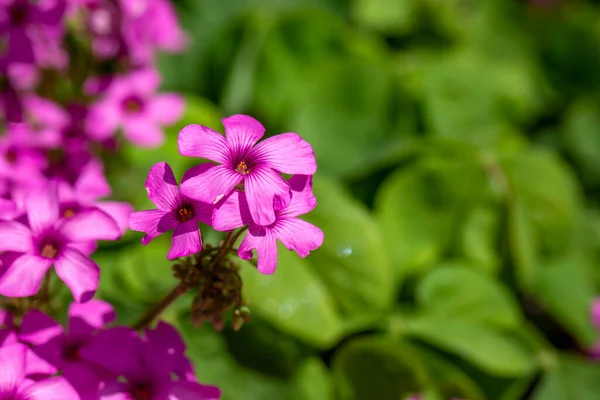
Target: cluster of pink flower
41	360
245	190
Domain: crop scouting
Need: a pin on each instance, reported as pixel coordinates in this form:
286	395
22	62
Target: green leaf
387	16
313	382
293	299
573	378
377	368
581	137
570	278
352	261
479	238
462	293
483	346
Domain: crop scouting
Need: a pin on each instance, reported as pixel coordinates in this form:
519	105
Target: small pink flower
175	211
131	104
258	166
293	232
50	240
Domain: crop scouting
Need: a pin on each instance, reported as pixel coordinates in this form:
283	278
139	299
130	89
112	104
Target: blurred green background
458	144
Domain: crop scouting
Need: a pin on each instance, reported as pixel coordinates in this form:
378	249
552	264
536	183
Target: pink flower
15	385
258	166
145	367
175	211
59	348
50	240
130	103
293	232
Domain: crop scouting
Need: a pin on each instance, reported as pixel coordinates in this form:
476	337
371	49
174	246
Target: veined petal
303	199
262	239
90	225
152	222
84	318
298	235
12	373
265	188
24	276
211	185
287	153
186	240
119	211
185	390
143	132
201	141
15	237
242	132
38	328
232	212
162	187
166	108
56	388
78	272
42	207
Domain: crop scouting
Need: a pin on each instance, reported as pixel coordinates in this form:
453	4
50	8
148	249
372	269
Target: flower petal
166	108
24	276
162	187
15	237
262	239
232	212
42	207
298	235
91	183
211	185
201	141
85	318
596	313
242	132
78	272
287	153
303	199
12	373
265	189
38	328
103	120
185	390
119	211
153	222
143	132
164	349
56	388
186	240
90	225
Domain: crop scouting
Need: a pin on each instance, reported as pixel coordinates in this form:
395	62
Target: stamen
49	251
242	168
69	213
185	213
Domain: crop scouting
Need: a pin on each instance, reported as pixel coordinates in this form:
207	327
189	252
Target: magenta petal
186	240
185	390
144	81
103	120
287	153
42	207
143	132
38	328
596	313
201	141
91	183
303	199
12	370
24	276
162	187
167	108
298	235
211	185
242	132
164	350
78	272
43	364
119	211
56	388
115	391
152	222
15	237
101	350
265	188
8	209
84	318
232	212
90	225
263	240
83	378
